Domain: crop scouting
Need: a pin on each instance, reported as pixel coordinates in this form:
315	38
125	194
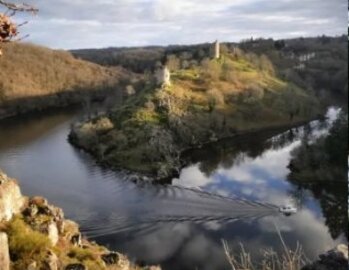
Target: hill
319	64
204	103
33	77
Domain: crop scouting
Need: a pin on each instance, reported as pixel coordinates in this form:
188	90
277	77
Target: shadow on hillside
83	97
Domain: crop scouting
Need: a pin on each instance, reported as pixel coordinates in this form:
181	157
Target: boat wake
175	204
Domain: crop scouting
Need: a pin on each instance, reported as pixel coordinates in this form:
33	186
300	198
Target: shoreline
141	176
57	101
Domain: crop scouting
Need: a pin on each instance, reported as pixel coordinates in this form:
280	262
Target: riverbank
183	158
35	235
43	104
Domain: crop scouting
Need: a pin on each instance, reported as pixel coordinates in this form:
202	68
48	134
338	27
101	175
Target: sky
72	24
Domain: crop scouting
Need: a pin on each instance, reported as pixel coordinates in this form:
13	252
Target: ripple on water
170	225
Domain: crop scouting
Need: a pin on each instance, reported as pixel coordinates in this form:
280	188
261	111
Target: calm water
178	226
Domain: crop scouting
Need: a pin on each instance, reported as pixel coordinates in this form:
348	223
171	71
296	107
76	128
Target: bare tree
8	28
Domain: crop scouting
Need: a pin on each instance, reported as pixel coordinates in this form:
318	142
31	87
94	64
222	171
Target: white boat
288	209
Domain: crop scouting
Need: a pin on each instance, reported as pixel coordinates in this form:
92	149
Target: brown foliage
34	71
8	29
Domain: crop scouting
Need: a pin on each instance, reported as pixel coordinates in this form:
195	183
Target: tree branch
9	29
18	7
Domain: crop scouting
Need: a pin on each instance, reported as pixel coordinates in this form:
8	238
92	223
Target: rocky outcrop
62	245
114	258
51	262
76	266
52	232
4	252
11	199
335	259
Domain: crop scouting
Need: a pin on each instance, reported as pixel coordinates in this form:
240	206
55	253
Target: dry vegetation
31	245
34	78
29	71
287	260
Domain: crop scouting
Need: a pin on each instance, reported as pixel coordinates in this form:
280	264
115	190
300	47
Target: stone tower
217	50
163	76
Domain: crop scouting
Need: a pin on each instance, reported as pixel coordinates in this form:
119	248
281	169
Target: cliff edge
34	235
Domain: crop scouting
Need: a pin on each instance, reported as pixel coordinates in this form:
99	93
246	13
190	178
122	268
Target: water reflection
320	165
179	228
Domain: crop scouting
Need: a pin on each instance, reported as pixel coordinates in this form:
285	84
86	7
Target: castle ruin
163	76
217	50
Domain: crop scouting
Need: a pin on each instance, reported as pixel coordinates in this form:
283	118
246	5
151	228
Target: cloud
192	177
80	24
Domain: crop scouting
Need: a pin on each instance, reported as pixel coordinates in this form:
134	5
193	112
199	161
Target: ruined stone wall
217	50
11	199
163	76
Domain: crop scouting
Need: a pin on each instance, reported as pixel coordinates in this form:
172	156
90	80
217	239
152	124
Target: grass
286	260
81	254
25	244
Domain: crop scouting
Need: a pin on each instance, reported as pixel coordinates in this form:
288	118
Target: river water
230	190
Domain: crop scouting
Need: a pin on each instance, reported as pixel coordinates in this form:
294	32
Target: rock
76	240
56	212
342	251
3	178
39	205
114	258
124	264
38	201
31	211
4	252
76	266
111	258
70	228
50	229
32	266
335	259
52	232
133	178
60	226
152	268
11	199
51	261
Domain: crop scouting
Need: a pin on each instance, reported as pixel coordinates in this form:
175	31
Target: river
179	226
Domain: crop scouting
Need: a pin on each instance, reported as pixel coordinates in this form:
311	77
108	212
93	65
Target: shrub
253	93
216	98
212	69
81	254
130	91
266	65
25	244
